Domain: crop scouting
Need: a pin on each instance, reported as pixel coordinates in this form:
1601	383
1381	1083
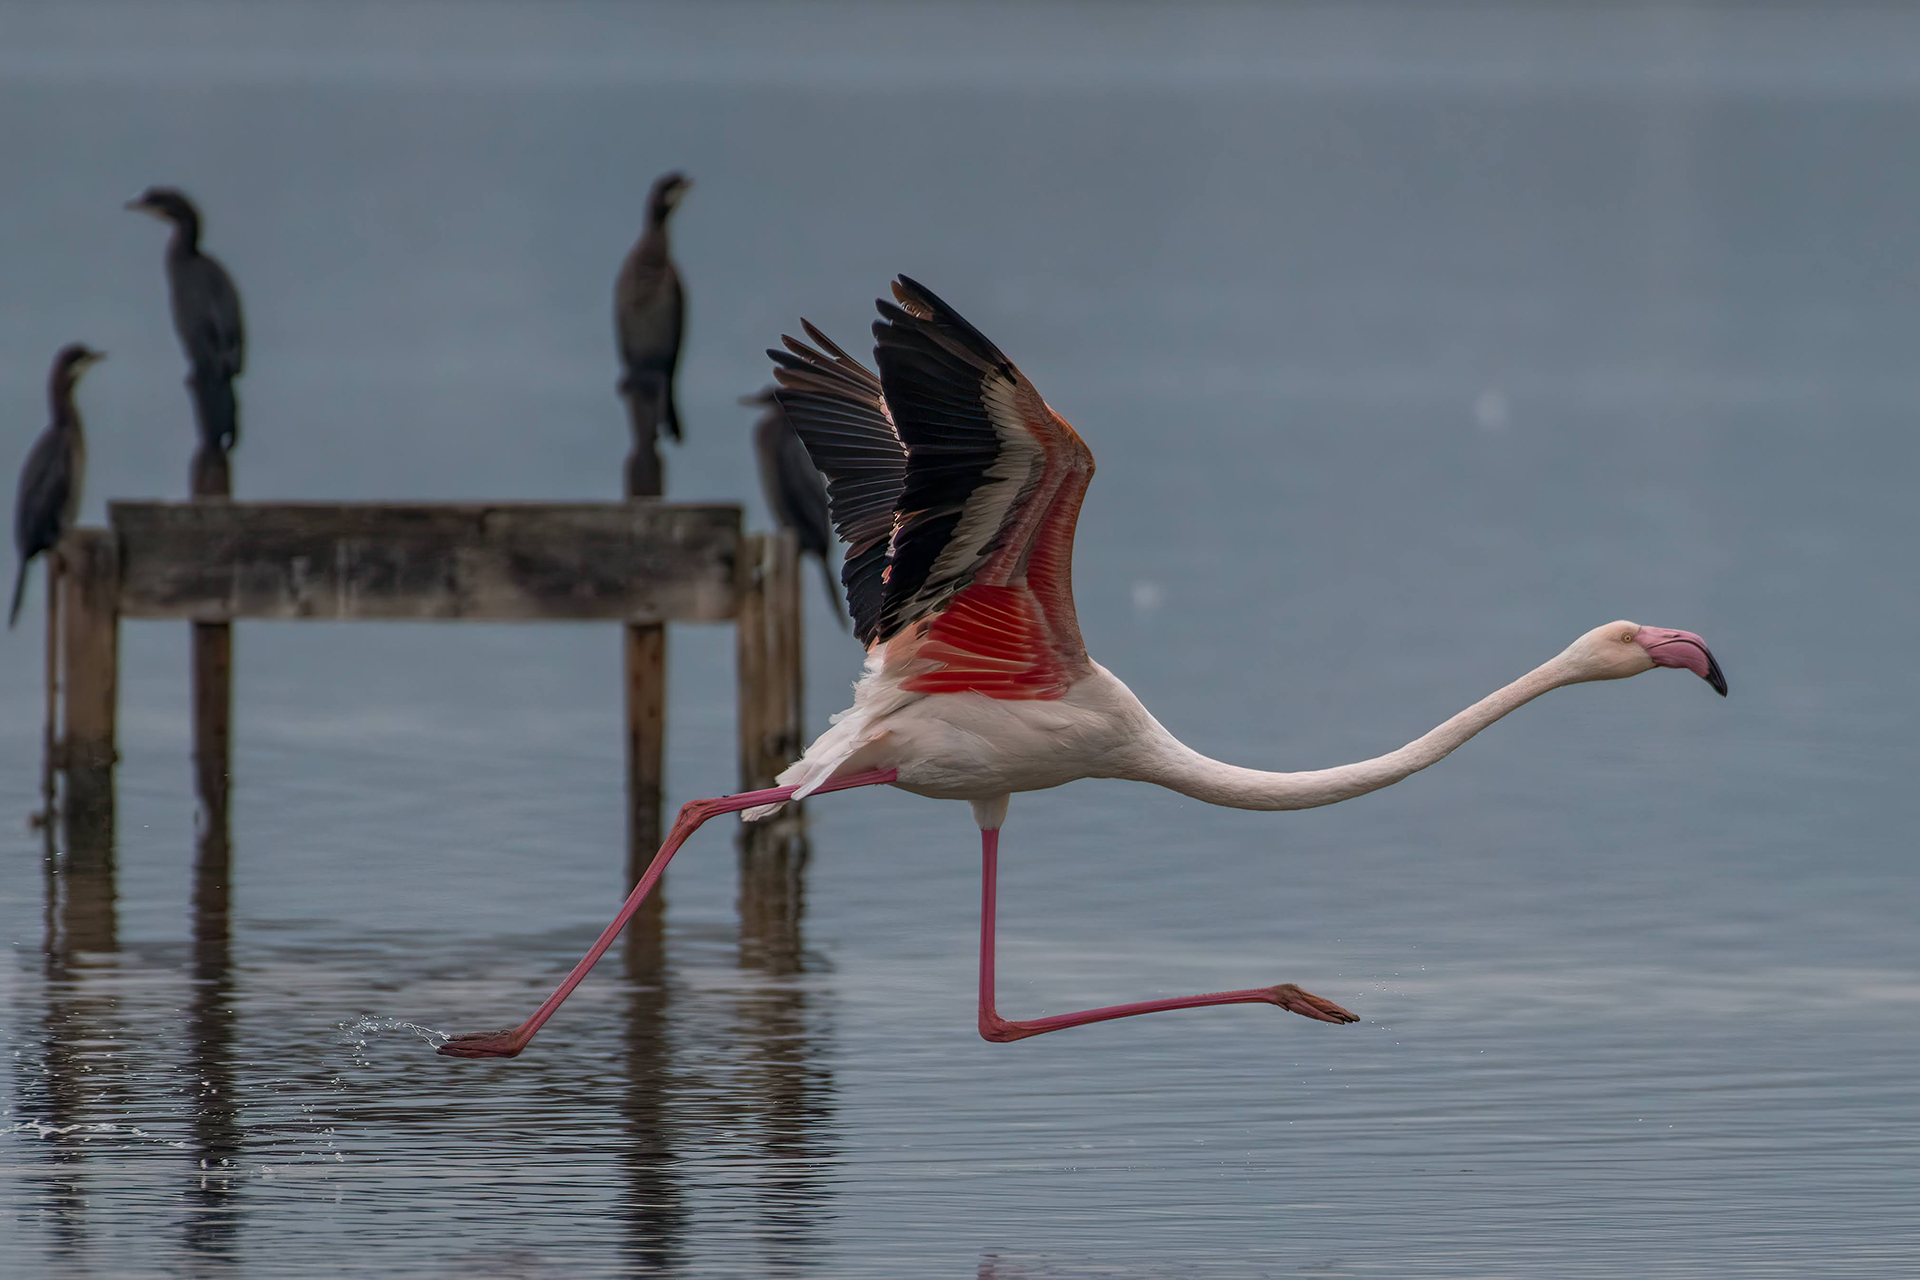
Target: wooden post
750	658
50	730
786	688
212	722
212	478
773	851
768	657
646	686
90	659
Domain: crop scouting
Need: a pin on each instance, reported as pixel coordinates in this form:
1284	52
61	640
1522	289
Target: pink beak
1670	648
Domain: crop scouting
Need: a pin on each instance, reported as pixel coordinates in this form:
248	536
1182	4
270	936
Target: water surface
1411	341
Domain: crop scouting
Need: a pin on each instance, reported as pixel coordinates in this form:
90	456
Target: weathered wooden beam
90	661
639	562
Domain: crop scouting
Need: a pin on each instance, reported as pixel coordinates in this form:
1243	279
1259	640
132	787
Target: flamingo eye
1626	637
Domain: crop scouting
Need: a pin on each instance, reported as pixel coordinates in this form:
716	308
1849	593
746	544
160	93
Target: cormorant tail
650	406
673	412
214	408
19	592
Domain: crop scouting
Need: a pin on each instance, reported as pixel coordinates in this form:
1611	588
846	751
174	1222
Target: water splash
41	1129
357	1032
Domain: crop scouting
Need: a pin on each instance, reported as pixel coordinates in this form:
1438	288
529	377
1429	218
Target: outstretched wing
982	544
836	408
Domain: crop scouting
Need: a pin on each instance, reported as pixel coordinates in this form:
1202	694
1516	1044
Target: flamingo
957	488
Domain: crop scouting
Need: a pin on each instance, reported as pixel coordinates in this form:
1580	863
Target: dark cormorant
796	493
649	312
206	315
50	480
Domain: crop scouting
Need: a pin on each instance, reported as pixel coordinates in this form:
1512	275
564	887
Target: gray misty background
1412	341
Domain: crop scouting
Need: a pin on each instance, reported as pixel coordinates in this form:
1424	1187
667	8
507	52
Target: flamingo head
1622	649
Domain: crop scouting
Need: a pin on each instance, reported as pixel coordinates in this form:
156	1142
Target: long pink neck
1171	763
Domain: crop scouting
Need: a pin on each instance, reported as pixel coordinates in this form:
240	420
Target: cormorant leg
996	1028
508	1043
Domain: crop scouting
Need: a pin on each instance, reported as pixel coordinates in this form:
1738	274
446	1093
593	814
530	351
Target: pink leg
994	1027
507	1044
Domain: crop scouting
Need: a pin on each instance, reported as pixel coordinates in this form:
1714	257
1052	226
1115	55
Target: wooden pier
642	563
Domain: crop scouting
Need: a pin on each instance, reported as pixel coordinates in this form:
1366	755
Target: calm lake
1412	342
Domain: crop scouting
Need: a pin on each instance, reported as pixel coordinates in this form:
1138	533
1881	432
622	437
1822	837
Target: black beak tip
1716	678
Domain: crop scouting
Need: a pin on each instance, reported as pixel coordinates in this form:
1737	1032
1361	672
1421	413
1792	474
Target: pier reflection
783	1044
67	1081
656	1213
750	1097
77	1087
214	1113
142	1056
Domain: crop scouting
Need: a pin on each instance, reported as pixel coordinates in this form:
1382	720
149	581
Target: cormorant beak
759	399
140	204
1670	648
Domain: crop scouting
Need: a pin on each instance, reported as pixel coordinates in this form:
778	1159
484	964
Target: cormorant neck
1174	765
66	414
186	233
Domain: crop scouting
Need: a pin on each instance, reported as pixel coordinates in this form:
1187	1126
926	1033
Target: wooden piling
750	661
770	666
89	659
46	819
645	660
212	723
212	480
769	657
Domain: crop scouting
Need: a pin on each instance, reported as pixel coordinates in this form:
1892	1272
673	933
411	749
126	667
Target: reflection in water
734	1077
84	1057
656	1217
214	1111
61	1089
81	912
774	1084
786	1079
773	865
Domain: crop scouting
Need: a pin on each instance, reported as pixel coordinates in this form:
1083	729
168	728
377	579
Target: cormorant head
168	204
75	359
666	193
